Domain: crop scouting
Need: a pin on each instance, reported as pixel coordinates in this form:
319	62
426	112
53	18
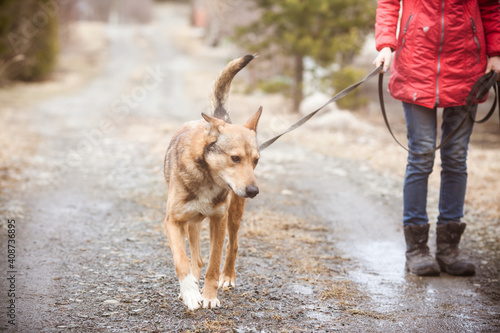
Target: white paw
190	293
226	284
210	304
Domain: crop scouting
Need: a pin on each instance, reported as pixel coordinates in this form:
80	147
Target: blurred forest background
314	41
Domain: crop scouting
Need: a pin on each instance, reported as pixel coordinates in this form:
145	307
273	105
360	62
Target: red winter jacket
442	47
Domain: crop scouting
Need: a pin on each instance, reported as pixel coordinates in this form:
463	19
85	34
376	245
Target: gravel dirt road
321	247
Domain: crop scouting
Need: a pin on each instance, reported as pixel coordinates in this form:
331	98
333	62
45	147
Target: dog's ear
253	121
215	124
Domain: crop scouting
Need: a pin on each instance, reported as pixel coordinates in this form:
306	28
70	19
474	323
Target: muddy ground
321	247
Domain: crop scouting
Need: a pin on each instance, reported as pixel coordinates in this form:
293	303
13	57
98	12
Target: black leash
496	88
477	93
304	119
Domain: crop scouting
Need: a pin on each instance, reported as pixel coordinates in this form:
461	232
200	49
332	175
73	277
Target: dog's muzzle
251	191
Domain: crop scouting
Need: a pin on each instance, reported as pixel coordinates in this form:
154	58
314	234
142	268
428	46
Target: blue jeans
421	125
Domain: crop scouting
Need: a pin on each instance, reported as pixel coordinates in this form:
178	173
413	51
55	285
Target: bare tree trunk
298	93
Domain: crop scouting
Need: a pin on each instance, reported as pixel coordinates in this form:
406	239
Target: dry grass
298	245
216	326
371	314
268	224
346	296
483	193
309	266
341	291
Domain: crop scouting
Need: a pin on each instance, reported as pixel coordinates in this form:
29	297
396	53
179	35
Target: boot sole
469	270
431	271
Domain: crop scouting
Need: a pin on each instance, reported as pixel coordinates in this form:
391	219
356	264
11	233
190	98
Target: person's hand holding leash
384	57
494	65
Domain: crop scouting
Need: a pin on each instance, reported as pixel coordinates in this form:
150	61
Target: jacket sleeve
490	16
386	24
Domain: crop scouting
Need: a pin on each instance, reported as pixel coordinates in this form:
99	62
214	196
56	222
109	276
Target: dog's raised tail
222	84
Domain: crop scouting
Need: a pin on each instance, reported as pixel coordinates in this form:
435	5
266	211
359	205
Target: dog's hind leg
228	276
190	293
217	236
193	231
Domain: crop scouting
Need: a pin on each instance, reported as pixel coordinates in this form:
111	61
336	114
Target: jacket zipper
404	35
475	37
439	54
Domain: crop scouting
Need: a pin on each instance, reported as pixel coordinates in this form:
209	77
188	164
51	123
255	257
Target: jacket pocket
403	40
474	35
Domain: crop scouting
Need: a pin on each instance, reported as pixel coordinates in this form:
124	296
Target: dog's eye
255	161
236	159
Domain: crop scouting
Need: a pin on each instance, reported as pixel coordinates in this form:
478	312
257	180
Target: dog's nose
252	191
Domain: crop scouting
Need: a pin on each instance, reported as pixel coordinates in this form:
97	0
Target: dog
209	169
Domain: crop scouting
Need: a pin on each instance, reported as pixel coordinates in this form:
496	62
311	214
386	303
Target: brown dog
209	168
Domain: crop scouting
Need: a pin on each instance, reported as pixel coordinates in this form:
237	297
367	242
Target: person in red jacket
442	48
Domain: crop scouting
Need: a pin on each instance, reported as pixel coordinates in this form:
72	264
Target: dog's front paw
190	294
210	303
226	282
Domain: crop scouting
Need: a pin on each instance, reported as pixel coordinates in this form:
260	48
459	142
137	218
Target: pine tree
328	31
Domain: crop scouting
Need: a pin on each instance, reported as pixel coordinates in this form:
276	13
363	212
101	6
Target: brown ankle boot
448	255
418	259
